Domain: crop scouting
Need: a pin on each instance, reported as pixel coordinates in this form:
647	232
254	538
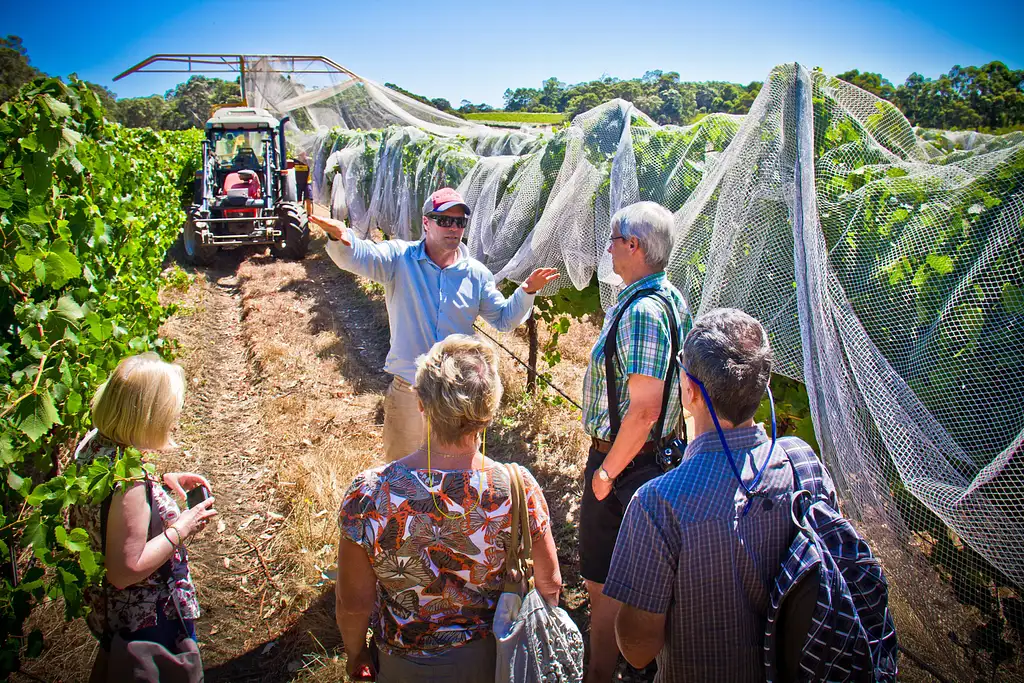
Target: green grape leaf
70	136
24	261
92	563
14	480
59	109
78	540
34	535
68	309
7	455
35	415
34	644
73	405
1012	298
943	265
61	266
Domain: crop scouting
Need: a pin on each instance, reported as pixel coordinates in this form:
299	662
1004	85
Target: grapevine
88	210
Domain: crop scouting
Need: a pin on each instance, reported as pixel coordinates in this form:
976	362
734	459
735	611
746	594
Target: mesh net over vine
886	262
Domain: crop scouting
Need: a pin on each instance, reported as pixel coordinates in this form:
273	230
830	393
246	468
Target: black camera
197	495
670	454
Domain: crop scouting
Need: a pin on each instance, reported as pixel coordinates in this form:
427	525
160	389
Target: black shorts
600	519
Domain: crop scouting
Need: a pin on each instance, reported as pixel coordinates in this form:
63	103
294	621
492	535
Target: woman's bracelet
176	533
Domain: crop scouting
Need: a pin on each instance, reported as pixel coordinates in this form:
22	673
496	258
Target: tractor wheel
294	227
196	253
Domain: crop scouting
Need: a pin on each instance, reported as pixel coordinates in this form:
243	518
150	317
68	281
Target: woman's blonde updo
457	382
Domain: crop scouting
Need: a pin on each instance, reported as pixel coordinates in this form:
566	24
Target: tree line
987	98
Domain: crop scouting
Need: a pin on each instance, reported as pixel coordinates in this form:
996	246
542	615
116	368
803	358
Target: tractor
246	191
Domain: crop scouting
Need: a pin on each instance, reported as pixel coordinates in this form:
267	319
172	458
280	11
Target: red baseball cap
444	199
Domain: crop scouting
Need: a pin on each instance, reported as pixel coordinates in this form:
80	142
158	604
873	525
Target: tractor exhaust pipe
280	137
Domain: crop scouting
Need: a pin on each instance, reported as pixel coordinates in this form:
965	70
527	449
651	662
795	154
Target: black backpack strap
610	350
673	366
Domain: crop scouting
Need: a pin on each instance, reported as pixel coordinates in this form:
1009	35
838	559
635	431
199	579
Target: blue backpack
829	618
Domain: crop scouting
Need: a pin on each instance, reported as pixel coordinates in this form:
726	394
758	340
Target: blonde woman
147	593
424	537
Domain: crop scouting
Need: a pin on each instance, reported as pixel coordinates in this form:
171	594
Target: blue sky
464	49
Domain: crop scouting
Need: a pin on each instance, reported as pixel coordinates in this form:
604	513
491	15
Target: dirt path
222	437
284	361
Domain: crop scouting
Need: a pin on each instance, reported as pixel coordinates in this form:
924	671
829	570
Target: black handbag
668	453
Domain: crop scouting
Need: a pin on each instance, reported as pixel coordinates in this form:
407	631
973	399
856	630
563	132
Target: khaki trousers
403	422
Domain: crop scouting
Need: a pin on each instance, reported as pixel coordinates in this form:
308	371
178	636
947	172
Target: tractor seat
246	158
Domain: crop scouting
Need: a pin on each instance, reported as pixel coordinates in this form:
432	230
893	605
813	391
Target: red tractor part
243	184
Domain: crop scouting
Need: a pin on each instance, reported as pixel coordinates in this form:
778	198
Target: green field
536	118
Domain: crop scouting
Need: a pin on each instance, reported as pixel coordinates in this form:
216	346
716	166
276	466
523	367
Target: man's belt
602	446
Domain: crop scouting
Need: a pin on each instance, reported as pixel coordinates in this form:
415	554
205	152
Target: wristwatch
603	475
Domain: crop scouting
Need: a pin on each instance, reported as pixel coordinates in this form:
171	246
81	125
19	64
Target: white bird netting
886	262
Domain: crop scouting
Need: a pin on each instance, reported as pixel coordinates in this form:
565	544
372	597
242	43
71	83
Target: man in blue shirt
432	288
699	549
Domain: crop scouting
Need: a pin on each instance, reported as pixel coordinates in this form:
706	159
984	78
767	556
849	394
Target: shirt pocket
467	296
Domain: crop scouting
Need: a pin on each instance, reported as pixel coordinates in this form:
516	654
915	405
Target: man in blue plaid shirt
640	245
699	548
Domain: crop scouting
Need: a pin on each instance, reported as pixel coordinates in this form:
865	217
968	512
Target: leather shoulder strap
519	552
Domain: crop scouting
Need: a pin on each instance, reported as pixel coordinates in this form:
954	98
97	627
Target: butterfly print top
437	544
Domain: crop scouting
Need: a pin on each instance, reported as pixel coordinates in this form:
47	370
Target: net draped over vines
886	262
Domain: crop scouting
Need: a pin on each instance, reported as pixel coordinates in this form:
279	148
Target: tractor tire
196	253
294	227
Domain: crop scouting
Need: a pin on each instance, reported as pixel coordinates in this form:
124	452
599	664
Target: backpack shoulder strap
673	367
807	472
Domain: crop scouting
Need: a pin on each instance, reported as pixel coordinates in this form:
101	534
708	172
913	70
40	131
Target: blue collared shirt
691	547
426	303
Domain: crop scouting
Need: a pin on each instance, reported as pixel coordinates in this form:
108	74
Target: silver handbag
536	642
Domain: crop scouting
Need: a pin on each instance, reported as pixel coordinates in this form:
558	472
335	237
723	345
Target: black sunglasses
448	221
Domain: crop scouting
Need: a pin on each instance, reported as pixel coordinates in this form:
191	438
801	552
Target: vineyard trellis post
531	373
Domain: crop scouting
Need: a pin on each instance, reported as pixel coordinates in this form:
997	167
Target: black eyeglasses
448	221
612	238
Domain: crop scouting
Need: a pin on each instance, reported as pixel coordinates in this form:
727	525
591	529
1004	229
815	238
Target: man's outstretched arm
507	314
362	257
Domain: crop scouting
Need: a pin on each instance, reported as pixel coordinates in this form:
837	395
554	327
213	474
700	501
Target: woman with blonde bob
147	593
424	537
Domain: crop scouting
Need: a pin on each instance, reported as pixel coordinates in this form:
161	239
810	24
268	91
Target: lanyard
759	472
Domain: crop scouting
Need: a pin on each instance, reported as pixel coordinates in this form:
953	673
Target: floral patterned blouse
136	606
436	540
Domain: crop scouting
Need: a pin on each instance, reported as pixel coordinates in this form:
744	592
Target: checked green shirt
643	346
